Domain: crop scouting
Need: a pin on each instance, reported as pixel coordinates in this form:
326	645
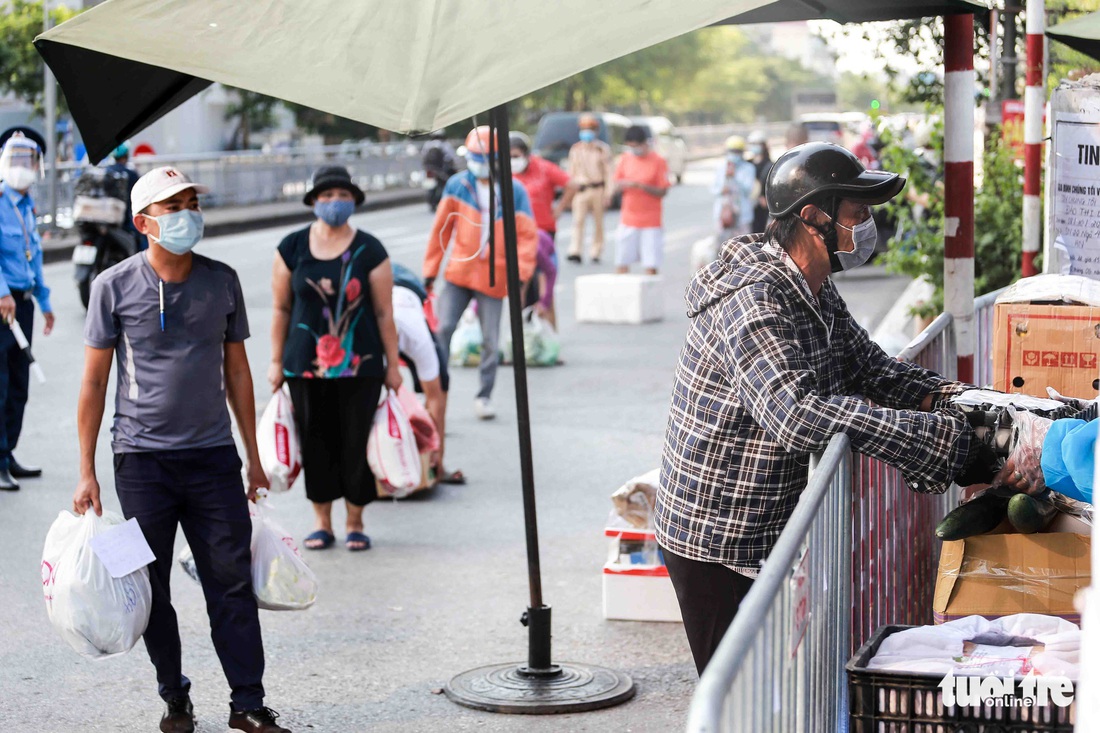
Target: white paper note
122	549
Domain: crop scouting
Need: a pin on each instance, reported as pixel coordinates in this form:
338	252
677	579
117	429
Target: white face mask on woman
864	239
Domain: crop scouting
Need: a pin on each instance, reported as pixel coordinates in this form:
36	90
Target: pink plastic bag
392	453
427	437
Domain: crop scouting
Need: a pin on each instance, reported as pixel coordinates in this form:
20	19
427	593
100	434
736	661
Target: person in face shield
177	323
21	279
773	367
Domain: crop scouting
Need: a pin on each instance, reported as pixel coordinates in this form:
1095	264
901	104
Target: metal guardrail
780	667
253	177
871	530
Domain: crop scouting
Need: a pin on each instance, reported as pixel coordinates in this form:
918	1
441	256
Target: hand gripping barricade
391	448
96	614
280	451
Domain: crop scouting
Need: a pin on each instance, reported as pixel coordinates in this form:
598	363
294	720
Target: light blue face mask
587	136
478	165
180	231
334	213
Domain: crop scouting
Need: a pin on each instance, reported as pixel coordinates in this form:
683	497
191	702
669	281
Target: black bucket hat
334	176
806	173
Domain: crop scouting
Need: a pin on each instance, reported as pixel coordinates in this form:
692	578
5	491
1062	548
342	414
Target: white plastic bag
391	448
277	441
466	341
99	616
281	580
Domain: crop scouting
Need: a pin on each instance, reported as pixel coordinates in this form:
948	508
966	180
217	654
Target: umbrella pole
539	686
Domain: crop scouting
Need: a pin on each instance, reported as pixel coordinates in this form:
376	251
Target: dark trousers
709	595
15	373
334	417
200	490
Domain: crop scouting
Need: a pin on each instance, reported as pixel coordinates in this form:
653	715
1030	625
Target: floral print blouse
333	331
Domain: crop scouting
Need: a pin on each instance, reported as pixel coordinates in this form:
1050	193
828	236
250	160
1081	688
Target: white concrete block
612	298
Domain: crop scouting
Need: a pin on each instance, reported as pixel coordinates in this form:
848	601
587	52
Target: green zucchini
975	517
1030	514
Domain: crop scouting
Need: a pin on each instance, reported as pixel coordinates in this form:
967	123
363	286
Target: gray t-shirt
171	383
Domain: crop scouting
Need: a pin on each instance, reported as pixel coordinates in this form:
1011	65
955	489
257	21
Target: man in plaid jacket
774	366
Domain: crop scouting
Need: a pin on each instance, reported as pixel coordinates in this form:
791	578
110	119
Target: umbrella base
564	688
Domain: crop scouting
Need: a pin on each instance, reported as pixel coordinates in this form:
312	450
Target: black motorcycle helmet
816	172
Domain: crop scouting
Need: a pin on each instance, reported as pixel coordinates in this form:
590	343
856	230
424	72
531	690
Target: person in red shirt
542	179
642	176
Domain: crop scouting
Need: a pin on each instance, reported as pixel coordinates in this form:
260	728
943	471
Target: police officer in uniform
21	284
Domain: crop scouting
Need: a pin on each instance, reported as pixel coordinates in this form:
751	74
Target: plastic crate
902	702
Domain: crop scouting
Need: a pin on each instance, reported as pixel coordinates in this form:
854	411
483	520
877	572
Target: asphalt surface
444	586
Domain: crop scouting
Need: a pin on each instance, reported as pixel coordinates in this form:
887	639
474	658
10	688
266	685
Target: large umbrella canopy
405	65
1081	34
856	11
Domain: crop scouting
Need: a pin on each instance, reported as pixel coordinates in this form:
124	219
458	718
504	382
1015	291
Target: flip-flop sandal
360	539
455	478
325	540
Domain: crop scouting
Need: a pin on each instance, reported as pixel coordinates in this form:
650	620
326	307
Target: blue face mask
180	231
478	165
637	149
587	136
335	213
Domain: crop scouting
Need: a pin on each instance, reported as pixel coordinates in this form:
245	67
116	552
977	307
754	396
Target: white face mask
864	237
519	165
20	178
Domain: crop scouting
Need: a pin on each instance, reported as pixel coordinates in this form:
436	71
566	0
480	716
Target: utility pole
50	133
1008	57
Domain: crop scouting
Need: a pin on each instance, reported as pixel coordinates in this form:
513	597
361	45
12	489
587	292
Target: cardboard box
428	479
995	575
1046	332
618	298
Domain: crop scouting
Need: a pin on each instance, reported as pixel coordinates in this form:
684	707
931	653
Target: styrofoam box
104	210
639	593
613	298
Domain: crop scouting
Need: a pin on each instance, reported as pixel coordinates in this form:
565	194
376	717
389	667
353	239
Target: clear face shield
20	162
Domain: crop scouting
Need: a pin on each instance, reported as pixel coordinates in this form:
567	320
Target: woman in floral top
334	342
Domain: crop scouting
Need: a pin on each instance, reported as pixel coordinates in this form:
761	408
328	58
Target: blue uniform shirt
18	236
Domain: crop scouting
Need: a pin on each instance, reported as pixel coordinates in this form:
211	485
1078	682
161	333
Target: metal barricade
780	667
895	554
983	338
246	178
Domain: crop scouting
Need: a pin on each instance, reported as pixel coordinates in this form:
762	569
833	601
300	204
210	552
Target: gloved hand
1023	470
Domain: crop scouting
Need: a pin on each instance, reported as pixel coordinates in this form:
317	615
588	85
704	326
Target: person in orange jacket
462	219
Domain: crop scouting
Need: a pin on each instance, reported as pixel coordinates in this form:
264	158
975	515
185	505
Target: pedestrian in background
177	322
543	180
438	160
642	176
463	220
733	185
590	177
334	341
21	279
121	168
762	159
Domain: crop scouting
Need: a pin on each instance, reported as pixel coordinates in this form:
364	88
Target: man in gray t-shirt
176	322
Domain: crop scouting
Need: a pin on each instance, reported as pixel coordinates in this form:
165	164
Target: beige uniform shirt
590	163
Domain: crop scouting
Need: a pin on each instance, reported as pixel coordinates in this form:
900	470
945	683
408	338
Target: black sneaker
574	258
261	720
179	717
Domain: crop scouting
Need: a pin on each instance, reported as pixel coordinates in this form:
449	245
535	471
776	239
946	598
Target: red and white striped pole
958	156
1033	135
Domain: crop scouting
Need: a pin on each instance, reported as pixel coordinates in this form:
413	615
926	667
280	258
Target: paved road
444	586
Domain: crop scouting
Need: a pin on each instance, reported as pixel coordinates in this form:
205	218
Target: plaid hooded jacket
765	379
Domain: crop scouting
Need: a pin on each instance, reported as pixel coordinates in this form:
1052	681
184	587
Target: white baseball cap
160	184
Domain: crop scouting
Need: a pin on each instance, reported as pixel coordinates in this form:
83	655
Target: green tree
917	248
22	71
253	112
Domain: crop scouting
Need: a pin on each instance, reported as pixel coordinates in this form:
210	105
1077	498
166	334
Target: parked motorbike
99	211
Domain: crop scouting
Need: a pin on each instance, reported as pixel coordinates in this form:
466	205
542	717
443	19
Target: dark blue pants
200	490
15	373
